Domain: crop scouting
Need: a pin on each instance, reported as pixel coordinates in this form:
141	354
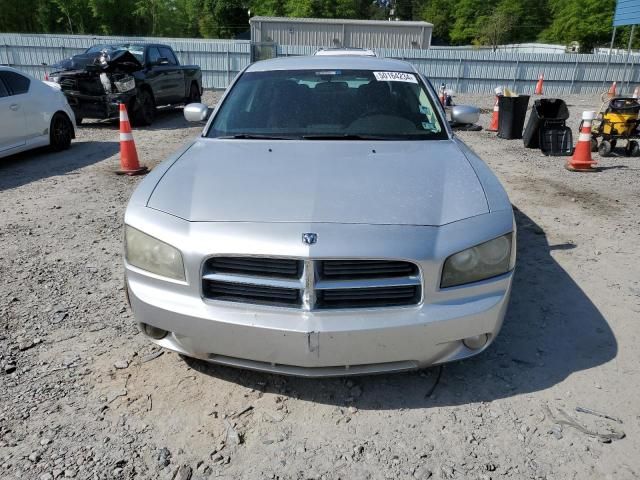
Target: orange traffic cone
613	89
129	164
636	92
581	160
538	90
493	127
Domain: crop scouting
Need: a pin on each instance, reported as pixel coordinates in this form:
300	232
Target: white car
32	114
346	52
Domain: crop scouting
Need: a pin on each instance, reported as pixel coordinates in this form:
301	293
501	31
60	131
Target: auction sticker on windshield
395	77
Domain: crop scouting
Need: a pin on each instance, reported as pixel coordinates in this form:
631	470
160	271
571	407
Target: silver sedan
326	222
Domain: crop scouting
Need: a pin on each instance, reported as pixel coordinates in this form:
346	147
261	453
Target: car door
174	76
13	91
155	75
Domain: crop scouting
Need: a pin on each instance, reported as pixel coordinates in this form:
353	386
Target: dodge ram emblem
309	238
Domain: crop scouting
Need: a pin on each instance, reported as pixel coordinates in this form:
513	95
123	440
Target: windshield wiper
249	136
346	136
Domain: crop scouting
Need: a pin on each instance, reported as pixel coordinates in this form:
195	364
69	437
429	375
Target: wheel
633	149
60	132
604	149
594	144
145	109
194	94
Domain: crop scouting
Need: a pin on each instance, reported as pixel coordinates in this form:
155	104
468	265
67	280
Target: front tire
194	94
60	132
145	109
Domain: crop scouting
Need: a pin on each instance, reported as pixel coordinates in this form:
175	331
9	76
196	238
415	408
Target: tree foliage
456	22
587	22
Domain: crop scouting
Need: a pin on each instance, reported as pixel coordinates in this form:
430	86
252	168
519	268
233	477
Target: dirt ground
84	395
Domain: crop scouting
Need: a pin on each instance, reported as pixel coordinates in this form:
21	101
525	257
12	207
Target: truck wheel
60	132
594	145
633	149
145	109
194	94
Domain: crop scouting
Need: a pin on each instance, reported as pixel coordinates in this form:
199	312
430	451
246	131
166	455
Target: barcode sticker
395	77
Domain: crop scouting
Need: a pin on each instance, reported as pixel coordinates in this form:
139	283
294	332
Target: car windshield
328	104
136	50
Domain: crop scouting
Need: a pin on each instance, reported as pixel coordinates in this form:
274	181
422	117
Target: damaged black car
142	76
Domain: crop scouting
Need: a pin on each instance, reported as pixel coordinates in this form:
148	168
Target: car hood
357	182
104	61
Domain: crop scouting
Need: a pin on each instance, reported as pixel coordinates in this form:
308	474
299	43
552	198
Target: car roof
346	51
7	68
329	61
129	44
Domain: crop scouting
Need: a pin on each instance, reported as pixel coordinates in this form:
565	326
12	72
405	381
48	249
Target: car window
307	103
168	54
3	90
16	83
152	56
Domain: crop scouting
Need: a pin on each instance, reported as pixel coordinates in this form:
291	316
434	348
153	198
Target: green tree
268	8
109	18
74	16
588	22
224	18
300	8
465	26
494	29
442	14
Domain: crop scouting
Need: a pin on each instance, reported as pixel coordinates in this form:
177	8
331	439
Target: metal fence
466	71
220	60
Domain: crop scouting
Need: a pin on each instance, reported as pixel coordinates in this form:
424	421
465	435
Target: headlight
125	84
106	83
486	260
148	253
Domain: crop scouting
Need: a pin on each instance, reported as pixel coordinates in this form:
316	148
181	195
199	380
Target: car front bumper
98	106
321	342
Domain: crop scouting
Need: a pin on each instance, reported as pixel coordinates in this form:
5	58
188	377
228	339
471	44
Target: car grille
258	266
368	297
355	269
68	84
312	284
243	292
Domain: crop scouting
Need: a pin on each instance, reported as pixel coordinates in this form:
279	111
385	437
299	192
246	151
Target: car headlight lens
125	84
486	260
150	254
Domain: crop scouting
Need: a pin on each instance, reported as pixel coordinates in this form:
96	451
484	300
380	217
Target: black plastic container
513	111
556	141
546	112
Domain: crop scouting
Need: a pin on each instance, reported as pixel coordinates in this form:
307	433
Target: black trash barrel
513	111
546	112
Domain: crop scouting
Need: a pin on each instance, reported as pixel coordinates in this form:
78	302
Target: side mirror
196	112
464	115
162	61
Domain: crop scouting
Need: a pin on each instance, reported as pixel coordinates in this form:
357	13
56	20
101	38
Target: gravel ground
83	395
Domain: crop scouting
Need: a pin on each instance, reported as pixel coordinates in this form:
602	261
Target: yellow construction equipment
618	119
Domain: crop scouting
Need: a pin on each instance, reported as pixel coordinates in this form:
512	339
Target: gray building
321	32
